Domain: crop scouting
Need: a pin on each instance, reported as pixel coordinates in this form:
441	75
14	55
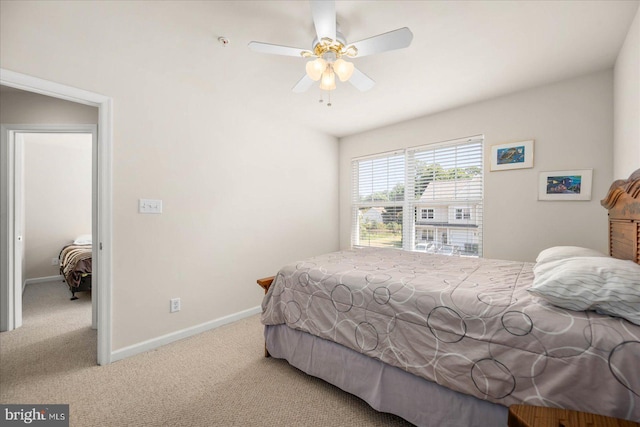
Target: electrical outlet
55	261
174	305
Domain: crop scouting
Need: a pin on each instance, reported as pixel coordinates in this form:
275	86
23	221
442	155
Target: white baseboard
154	343
42	280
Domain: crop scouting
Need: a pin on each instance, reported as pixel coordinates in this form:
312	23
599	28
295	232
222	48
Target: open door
12	248
18	231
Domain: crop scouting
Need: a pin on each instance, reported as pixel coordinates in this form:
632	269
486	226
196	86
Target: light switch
149	206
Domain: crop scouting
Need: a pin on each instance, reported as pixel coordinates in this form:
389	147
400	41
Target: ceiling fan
330	48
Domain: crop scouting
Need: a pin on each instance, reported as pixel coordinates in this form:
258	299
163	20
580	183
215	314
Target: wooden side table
539	416
264	284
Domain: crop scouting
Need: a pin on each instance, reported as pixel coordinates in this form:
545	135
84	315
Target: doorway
57	164
10	309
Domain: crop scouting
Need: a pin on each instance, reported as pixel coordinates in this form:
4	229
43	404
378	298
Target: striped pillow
556	253
606	285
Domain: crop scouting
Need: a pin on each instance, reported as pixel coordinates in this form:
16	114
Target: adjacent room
477	162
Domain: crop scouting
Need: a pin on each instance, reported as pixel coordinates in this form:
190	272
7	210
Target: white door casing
102	203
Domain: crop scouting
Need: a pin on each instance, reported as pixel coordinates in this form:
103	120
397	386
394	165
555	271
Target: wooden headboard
623	203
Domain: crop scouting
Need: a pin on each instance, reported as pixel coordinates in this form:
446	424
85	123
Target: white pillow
563	252
604	284
84	239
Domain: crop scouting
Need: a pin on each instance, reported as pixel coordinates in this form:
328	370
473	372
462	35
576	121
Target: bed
75	265
452	341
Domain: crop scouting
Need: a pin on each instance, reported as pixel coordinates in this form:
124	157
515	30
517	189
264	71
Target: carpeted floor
217	378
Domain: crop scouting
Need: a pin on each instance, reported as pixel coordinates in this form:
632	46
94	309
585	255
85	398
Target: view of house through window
428	199
379	200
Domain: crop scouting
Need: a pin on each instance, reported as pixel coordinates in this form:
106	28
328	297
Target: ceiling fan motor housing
329	49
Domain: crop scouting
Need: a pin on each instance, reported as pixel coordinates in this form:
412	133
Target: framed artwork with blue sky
565	185
512	155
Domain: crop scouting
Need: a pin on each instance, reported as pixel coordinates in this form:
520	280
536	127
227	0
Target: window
400	198
462	213
427	214
378	200
430	233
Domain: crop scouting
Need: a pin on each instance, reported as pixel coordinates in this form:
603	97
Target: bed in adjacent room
453	341
76	265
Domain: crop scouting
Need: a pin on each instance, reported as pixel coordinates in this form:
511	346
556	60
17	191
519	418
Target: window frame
412	205
430	214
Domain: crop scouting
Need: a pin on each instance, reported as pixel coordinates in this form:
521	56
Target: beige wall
627	104
57	190
572	125
243	191
20	107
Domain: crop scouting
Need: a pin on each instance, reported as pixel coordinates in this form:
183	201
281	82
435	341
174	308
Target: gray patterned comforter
465	323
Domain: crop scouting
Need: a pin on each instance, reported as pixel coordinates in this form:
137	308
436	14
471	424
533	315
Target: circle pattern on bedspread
493	378
366	336
292	312
626	373
381	295
517	323
529	361
446	324
342	298
381	317
303	279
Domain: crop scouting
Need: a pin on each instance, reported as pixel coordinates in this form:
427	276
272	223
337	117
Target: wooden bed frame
623	203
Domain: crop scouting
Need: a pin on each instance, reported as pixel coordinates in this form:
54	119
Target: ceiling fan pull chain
329	103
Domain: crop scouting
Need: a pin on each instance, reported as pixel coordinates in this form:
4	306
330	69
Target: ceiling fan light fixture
315	68
328	81
350	51
343	69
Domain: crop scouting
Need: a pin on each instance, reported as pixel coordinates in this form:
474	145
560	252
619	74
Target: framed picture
514	155
565	185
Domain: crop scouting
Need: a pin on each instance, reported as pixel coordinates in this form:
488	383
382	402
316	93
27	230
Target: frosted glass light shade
316	68
328	81
343	69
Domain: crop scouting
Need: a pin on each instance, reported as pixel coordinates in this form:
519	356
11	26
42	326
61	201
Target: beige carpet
217	378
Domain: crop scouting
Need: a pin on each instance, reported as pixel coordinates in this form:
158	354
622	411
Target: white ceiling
462	52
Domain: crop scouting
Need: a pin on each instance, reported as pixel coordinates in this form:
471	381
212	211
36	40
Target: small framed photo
565	185
514	155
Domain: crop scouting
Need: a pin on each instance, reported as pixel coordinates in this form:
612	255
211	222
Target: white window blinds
378	200
427	198
448	179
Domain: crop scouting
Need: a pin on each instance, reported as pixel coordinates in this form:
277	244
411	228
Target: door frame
11	136
102	267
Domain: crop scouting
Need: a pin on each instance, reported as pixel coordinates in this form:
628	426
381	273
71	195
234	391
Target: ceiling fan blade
276	49
361	81
396	39
303	84
324	18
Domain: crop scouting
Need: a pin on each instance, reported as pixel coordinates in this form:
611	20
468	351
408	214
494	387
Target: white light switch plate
150	206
